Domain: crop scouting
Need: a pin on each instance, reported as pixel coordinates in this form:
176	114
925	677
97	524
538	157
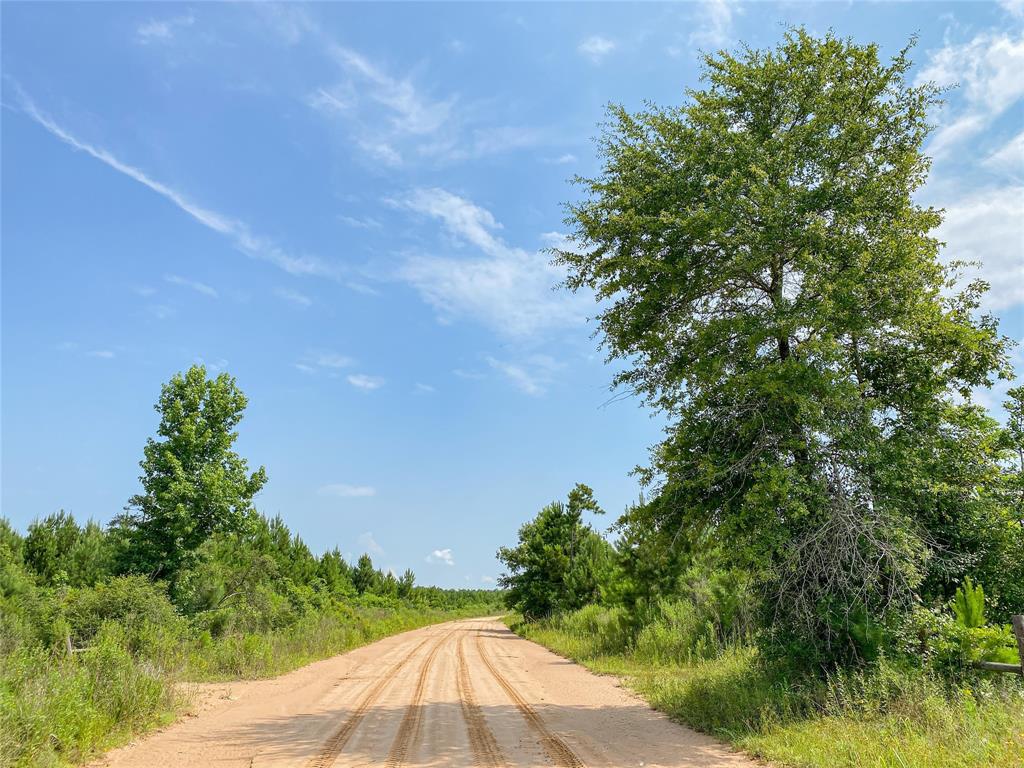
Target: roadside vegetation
99	625
833	528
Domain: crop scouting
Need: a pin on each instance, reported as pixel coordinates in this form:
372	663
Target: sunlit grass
889	717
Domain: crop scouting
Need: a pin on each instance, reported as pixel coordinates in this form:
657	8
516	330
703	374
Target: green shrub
678	634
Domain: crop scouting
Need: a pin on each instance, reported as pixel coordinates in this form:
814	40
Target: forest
100	624
832	531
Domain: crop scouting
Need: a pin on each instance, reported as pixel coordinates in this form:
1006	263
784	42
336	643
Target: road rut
466	694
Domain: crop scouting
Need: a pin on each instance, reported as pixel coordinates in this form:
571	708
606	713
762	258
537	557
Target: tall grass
57	709
888	715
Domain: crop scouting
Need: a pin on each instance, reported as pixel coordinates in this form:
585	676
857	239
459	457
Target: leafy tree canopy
193	483
772	285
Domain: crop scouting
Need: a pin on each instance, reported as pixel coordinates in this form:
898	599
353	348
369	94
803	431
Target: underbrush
57	708
890	714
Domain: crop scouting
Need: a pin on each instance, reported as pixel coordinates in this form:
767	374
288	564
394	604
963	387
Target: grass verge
889	717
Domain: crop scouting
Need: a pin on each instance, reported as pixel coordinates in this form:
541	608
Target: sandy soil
464	693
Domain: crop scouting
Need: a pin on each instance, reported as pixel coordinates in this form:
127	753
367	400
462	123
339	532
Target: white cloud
531	376
441	556
1008	159
323	360
487	579
299	299
507	288
346	491
420	387
195	285
369	544
596	47
411	112
364	382
987	226
395	120
382	151
335	100
237	232
480	142
565	159
103	354
714	25
216	365
1013	7
162	30
332	360
362	223
987	70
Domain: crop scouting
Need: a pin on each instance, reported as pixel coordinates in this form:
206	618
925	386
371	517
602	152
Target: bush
151	625
58	709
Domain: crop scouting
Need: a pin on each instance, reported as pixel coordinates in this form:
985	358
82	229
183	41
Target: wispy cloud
1008	159
714	24
239	233
508	289
987	69
1013	7
103	354
986	226
596	47
364	382
565	159
441	556
346	491
369	544
323	360
531	376
426	388
293	296
364	222
194	285
162	30
395	119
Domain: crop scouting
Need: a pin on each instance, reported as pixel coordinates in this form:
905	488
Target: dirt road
465	693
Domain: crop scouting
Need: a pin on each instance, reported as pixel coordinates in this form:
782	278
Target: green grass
887	717
56	710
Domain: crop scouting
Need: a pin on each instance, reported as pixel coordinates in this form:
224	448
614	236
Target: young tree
364	575
559	562
194	484
773	287
406	584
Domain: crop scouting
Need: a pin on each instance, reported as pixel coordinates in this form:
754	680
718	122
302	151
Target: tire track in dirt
557	750
409	728
486	752
333	746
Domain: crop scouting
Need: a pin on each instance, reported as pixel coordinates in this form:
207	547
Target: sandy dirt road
464	693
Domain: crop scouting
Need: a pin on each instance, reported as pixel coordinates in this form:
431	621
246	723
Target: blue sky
346	206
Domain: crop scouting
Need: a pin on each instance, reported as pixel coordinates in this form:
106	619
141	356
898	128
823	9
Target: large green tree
771	284
193	482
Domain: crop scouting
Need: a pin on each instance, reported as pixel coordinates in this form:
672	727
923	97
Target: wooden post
1018	630
67	644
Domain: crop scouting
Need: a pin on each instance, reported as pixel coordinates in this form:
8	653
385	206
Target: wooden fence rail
1015	669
